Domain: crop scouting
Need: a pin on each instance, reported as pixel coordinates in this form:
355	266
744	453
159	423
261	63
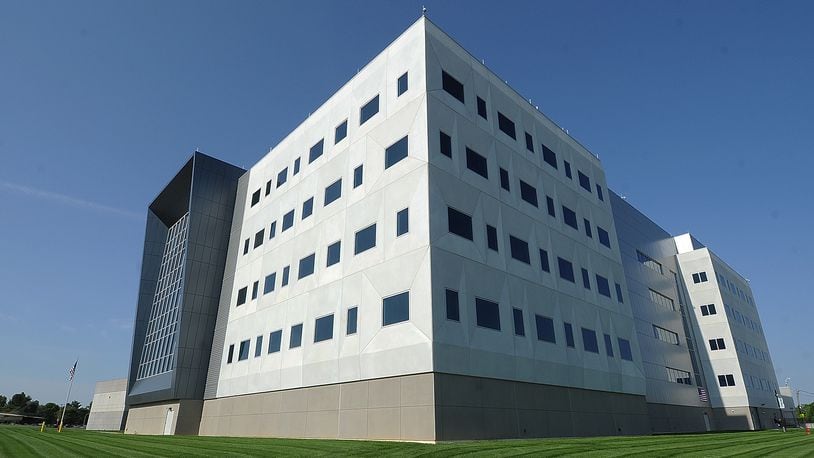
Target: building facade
427	257
108	410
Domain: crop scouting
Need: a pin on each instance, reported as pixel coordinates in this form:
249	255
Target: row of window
460	224
367	111
363	240
754	352
758	383
727	284
678	376
742	319
477	163
455	88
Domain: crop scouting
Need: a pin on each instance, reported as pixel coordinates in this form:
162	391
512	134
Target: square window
255	288
255	198
453	308
589	341
334	253
711	308
482	108
587	225
357	176
730	380
452	86
333	192
369	109
324	328
459	223
722	380
275	341
296	166
286	272
504	179
506	125
477	163
529	142
269	282
243	353
241	295
544	265
491	237
550	157
402	222
545	329
445	144
306	266
396	309
401	84
603	286
307	207
365	239
246	246
282	177
569	217
258	346
586	280
569	335
624	349
519	249
704	310
395	153
549	202
273	230
351	326
584	181
288	220
295	338
259	237
608	346
341	132
487	314
231	354
566	269
604	238
519	325
567	168
528	193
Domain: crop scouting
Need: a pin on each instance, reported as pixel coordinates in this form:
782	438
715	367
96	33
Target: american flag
702	394
72	371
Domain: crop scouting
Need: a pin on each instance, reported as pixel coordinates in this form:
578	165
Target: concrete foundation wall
107	411
151	419
669	418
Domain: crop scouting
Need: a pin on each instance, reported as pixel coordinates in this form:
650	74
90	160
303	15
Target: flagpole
65	407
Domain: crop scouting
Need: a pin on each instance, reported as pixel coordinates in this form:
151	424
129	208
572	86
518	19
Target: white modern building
427	257
107	410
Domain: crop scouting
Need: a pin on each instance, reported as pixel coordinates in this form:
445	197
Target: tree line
22	404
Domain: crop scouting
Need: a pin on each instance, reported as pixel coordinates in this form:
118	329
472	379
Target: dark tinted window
268	187
341	132
396	309
528	193
549	202
476	163
365	239
273	230
275	341
324	328
369	109
459	223
231	354
288	220
446	144
255	288
604	239
545	329
619	293
504	179
401	84
334	253
350	327
544	261
246	246
258	346
487	313
306	266
624	349
296	166
599	193
519	249
566	269
482	108
333	191
286	273
569	217
603	286
587	225
519	325
259	237
584	181
402	222
586	280
295	339
608	345
282	177
244	350
549	156
569	334
567	167
241	295
589	341
357	176
307	208
255	198
506	125
395	152
452	86
529	142
269	282
453	308
491	237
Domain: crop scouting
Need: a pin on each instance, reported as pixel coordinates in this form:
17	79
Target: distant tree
50	412
18	402
75	414
2	402
30	408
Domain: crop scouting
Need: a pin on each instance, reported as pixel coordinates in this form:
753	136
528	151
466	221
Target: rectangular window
717	344
603	286
296	166
445	144
275	341
649	262
358	176
549	156
544	265
269	283
255	198
506	125
273	230
569	335
608	345
569	217
549	202
402	222
396	309
586	279
567	168
288	220
341	132
566	269
589	341
477	163
482	108
295	338
258	346
395	153
662	300
369	109
307	207
587	225
241	295
365	239
599	193
452	86
504	179
519	249
353	317
334	253
333	192
708	309
491	237
699	277
459	223
243	353
324	328
624	349
528	193
246	246
678	376
604	238
231	354
545	328
584	181
268	187
529	142
401	84
487	314
286	273
453	308
519	325
259	237
665	335
255	288
306	266
282	177
619	294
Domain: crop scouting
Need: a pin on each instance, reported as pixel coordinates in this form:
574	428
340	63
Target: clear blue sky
702	113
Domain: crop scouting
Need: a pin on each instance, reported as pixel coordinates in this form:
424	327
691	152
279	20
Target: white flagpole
65	407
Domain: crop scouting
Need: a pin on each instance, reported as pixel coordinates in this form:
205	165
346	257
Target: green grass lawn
22	441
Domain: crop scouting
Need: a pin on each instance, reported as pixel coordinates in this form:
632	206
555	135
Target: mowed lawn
22	441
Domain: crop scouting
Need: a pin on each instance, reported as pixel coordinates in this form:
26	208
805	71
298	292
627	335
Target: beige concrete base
745	418
151	419
668	418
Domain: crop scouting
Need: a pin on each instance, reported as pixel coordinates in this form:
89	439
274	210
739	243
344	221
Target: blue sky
701	112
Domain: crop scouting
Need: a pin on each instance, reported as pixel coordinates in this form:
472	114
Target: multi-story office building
426	257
